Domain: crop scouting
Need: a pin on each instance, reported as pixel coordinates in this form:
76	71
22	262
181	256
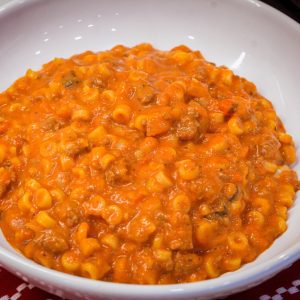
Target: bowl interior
255	41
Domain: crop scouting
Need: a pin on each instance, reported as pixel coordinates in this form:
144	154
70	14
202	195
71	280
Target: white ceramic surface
253	39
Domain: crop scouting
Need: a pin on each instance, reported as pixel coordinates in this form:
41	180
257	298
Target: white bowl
248	36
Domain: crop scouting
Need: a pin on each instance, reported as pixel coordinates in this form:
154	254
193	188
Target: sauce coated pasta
142	166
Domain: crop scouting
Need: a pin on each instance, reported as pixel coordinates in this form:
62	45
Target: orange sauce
142	166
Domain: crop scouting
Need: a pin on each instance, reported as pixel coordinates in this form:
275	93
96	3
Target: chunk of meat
75	147
68	212
186	263
97	82
144	93
53	242
50	123
70	79
118	172
187	128
5	180
194	123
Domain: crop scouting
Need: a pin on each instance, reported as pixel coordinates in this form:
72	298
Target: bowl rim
234	280
220	284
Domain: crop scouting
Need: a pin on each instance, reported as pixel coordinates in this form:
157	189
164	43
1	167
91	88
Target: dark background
289	7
